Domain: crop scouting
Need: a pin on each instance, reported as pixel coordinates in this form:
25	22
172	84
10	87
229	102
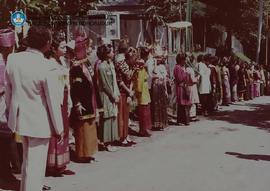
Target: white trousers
35	152
192	111
234	93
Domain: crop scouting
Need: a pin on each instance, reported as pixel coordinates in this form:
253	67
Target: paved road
226	152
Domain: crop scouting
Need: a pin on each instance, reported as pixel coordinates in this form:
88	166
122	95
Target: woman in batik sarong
257	81
242	83
159	95
226	85
249	80
58	154
213	104
142	94
124	74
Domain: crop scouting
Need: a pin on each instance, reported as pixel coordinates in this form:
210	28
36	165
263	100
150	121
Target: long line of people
73	90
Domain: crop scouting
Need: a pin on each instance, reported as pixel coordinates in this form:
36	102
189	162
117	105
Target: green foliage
48	10
160	12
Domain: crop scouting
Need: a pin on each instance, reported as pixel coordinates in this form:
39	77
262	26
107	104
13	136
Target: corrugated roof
121	2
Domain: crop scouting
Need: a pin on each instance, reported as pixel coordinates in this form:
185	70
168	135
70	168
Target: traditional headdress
80	47
7	38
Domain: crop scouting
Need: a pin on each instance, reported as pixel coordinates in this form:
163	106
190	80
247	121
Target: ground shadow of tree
250	156
259	117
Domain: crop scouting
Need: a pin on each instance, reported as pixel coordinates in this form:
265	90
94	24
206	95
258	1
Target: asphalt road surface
229	151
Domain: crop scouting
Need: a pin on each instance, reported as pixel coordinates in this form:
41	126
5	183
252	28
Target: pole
204	36
188	18
189	11
180	10
259	31
267	37
68	28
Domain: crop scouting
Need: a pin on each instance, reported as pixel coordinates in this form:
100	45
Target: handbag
186	92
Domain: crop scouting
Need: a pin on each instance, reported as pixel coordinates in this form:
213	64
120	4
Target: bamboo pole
267	38
259	31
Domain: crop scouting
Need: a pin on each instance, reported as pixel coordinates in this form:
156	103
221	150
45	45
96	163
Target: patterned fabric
85	132
2	74
109	130
242	84
123	117
226	85
58	154
159	105
144	114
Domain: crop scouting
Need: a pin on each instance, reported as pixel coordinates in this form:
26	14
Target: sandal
46	187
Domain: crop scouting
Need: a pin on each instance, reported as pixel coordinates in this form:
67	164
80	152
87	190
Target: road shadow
14	186
259	117
250	156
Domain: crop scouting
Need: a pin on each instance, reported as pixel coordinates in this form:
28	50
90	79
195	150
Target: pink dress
182	79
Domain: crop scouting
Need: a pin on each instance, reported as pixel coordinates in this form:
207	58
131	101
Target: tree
44	10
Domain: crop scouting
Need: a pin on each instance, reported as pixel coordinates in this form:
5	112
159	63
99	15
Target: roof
242	57
128	6
179	24
121	2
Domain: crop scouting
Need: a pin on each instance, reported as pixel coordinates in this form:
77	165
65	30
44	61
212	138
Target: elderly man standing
33	113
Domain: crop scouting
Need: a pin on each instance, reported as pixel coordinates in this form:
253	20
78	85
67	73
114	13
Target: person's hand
129	99
60	137
116	99
80	109
131	93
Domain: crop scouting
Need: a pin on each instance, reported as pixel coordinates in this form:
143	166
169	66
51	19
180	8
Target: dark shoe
53	174
132	142
85	159
101	147
68	172
145	134
194	119
128	144
117	143
157	129
46	187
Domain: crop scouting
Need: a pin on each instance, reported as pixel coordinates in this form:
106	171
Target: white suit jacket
30	93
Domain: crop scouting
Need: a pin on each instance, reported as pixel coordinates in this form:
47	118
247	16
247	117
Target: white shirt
205	84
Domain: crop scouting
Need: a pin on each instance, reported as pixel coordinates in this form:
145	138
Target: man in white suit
32	111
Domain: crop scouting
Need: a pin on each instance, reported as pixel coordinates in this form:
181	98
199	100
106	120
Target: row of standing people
51	85
94	97
208	82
